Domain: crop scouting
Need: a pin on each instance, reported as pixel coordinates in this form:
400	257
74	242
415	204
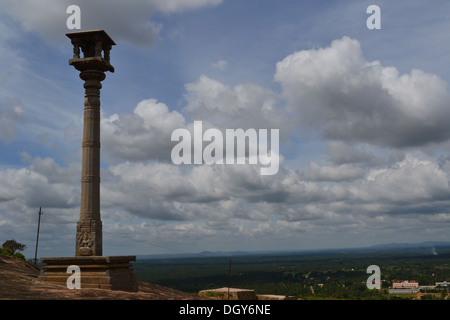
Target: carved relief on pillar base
89	238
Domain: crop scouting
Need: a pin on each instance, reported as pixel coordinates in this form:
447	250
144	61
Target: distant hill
420	245
432	246
203	254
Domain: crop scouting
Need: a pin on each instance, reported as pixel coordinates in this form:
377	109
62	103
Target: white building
404	286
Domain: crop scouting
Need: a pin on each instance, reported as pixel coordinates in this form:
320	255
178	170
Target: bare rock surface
19	281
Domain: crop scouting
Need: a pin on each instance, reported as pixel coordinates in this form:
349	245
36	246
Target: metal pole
37	237
229	276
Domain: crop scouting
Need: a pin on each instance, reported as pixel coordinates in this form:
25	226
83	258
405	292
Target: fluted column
89	227
92	66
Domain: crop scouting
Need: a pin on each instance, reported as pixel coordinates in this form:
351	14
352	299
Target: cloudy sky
364	120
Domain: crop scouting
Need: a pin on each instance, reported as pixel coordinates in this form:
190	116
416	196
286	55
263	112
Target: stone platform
103	272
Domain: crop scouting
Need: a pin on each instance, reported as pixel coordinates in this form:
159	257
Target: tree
443	294
13	246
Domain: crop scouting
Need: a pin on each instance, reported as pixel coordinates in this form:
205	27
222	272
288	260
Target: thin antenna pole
37	237
229	277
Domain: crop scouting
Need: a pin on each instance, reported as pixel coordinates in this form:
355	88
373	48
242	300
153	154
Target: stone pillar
97	271
92	66
89	227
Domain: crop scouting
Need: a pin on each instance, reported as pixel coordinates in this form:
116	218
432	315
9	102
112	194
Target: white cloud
169	192
340	173
170	6
410	181
125	21
42	183
144	135
216	202
246	105
348	98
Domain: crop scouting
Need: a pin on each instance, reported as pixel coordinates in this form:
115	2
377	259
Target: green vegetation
319	275
10	247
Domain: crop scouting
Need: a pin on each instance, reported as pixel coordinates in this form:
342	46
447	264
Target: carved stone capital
93	76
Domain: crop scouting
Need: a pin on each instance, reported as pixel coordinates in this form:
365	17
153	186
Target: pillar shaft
89	227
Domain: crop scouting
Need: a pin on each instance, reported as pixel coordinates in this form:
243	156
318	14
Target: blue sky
362	114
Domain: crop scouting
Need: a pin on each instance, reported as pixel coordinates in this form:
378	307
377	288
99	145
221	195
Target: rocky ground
18	281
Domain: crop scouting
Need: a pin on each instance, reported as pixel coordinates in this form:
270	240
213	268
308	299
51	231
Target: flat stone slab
102	272
239	294
274	297
229	294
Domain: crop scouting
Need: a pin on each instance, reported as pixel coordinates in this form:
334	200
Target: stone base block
103	272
